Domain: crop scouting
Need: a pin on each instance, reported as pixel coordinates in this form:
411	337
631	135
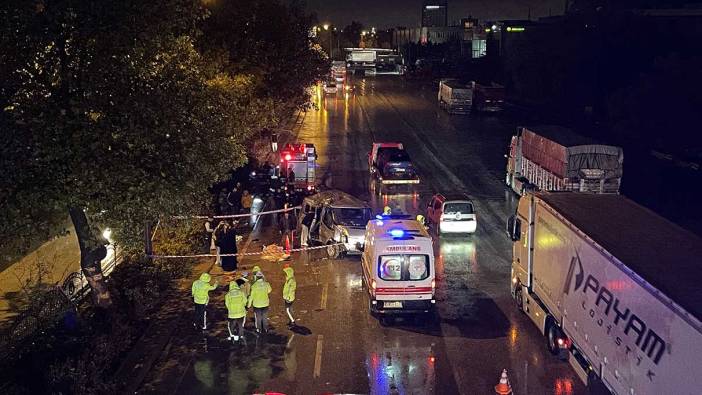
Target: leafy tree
109	109
270	41
352	33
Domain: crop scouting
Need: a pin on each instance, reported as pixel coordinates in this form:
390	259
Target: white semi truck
615	289
553	158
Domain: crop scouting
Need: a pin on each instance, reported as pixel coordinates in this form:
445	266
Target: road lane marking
318	356
325	291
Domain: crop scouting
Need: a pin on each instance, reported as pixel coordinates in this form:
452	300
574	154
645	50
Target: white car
452	214
330	87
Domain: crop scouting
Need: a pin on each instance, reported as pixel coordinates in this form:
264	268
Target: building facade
434	13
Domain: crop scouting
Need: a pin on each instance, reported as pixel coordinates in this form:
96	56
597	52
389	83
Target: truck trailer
488	97
456	97
553	158
614	288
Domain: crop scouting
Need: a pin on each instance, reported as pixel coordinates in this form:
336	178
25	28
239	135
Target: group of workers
243	295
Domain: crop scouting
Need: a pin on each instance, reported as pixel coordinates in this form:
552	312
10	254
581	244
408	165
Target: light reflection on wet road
478	333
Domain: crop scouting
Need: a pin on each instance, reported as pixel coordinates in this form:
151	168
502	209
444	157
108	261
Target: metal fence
56	304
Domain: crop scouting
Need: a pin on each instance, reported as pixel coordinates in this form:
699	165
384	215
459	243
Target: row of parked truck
613	286
457	97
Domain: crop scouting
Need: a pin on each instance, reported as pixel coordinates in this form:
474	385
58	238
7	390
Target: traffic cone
503	387
287	244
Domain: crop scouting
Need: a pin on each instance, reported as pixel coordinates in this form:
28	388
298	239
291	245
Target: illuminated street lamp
326	26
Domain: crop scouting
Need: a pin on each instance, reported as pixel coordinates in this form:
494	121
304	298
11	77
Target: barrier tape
242	253
237	215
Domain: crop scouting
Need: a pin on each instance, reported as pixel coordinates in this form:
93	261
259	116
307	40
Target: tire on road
333	250
553	332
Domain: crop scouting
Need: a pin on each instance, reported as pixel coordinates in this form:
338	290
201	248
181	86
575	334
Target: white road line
325	291
318	356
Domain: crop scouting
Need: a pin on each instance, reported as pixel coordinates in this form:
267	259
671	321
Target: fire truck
297	167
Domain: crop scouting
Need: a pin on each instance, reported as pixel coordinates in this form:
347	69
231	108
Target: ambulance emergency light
396	232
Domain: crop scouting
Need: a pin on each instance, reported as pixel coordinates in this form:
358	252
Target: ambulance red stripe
401	290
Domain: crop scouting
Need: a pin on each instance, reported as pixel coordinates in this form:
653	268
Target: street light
326	26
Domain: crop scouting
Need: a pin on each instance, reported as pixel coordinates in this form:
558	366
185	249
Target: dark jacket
287	221
308	218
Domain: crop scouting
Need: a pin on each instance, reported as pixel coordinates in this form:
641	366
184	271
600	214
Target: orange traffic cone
503	387
287	244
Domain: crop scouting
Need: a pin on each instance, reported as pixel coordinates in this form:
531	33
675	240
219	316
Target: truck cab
337	218
398	266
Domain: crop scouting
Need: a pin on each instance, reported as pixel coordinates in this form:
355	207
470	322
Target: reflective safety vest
259	294
201	289
235	300
290	285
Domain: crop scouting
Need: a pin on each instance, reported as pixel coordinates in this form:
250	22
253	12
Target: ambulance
398	266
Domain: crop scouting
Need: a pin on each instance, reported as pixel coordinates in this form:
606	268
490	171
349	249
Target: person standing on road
209	233
260	302
274	141
246	202
255	270
305	231
245	287
235	300
201	296
289	292
226	240
286	221
234	199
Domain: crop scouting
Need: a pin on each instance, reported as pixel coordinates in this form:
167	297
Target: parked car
452	213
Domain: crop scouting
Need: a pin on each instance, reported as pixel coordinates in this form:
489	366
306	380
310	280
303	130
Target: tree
352	33
109	109
271	42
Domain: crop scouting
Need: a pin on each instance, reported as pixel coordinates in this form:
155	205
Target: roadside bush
81	360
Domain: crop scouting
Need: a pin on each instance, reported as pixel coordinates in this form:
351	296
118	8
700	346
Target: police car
398	266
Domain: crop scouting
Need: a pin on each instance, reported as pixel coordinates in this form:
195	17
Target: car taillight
433	283
441	217
288	156
564	342
373	284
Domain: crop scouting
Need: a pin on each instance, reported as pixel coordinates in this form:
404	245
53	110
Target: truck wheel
552	336
332	251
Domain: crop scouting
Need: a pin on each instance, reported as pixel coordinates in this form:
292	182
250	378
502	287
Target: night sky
390	13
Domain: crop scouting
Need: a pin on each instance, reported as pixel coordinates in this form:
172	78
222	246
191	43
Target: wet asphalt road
339	347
